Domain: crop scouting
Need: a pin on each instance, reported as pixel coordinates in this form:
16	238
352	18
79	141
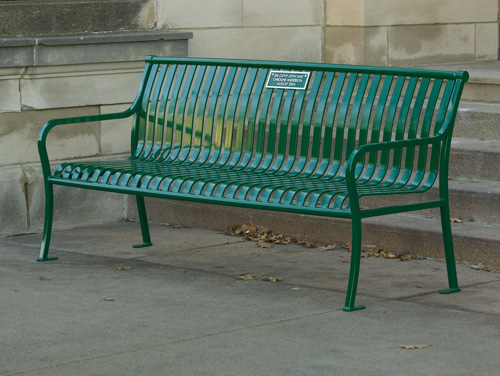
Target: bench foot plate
142	245
450	291
355	308
42	259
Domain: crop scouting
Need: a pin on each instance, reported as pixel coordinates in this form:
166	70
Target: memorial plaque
287	80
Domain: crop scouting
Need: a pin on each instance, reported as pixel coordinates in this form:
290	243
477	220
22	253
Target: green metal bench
290	137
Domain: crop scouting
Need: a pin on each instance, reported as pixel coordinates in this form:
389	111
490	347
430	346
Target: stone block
409	12
431	44
10	95
19	135
487	41
115	134
282	13
277	43
48	88
72	206
344	12
356	45
13	213
16	56
182	14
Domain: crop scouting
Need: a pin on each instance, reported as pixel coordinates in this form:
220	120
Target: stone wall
254	29
406	32
376	32
43	77
38	95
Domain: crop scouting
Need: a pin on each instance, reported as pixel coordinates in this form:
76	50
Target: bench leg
355	263
146	238
448	250
47	229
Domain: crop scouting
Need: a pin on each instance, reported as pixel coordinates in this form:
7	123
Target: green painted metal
146	238
211	131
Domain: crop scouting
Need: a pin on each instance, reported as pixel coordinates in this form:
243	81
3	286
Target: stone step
475	160
484	82
471	200
473	242
474	200
49	17
478	120
402	233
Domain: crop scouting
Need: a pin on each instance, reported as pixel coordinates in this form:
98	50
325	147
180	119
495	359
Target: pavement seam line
171	343
403	298
187	249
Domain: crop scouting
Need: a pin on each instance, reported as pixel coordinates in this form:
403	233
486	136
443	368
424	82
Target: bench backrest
223	112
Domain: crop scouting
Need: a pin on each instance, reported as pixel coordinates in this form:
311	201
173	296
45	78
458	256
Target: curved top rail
410	72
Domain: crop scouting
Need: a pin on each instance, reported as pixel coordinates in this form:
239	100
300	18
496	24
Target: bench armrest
358	156
42	137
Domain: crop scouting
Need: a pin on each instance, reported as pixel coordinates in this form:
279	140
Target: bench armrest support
357	157
44	132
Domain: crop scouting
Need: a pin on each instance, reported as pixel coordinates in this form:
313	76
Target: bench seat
302	193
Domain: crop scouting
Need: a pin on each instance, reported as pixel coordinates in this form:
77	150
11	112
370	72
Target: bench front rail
291	137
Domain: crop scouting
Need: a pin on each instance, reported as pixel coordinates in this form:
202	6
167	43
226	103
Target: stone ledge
91	47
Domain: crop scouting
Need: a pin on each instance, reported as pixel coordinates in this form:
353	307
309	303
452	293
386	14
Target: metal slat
243	131
173	96
206	77
329	167
141	128
164	139
318	134
250	144
153	131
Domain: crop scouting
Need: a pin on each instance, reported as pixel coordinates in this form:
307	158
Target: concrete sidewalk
177	308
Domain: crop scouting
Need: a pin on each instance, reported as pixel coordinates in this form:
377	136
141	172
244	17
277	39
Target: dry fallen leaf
272	279
379	253
263	244
485	269
177	226
456	220
327	247
406	257
307	243
44	278
124	268
247	228
108	299
388	255
262	235
245	277
241	230
412	347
